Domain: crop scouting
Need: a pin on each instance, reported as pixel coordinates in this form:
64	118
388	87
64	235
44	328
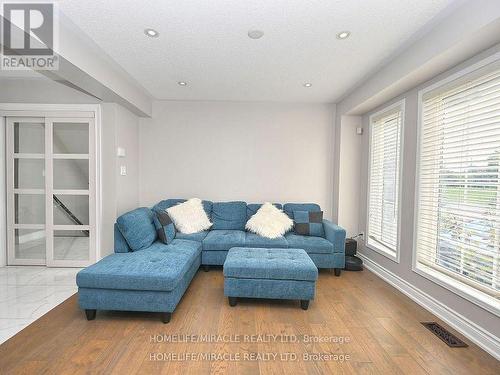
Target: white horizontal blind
458	217
385	149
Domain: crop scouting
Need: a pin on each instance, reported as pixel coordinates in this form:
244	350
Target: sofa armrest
335	235
121	245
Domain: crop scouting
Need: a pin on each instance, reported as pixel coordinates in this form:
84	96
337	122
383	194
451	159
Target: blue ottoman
269	273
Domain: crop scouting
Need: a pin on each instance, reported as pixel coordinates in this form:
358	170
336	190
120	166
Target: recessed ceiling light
343	35
182	83
308	84
152	33
255	34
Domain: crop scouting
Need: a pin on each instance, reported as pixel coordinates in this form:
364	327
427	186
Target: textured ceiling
20	74
205	43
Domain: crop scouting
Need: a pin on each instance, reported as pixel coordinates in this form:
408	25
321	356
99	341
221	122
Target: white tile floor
27	293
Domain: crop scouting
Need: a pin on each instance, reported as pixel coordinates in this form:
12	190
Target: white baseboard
469	329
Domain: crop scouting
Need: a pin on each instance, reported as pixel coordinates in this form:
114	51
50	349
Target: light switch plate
359	131
123	170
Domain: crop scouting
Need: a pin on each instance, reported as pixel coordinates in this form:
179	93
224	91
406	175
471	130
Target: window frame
377	246
442	278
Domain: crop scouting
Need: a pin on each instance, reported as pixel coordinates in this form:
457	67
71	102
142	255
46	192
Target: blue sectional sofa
228	230
146	275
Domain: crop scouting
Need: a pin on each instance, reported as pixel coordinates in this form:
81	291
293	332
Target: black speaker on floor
352	262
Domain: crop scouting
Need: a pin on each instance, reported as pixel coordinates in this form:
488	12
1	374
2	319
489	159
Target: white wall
238	151
349	174
108	177
127	137
488	321
118	193
40	90
3	206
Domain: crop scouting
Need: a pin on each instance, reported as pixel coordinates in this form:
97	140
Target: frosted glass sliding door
51	191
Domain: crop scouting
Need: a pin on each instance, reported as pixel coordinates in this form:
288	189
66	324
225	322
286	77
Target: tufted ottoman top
274	264
160	268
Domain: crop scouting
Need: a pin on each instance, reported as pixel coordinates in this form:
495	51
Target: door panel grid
51	196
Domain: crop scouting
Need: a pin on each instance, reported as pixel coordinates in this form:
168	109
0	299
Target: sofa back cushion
167	203
138	228
290	207
229	215
252	208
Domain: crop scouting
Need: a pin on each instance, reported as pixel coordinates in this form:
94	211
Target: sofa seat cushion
254	240
198	236
313	245
157	268
229	215
138	228
273	264
223	239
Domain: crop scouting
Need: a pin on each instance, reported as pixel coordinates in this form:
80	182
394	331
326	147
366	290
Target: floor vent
449	338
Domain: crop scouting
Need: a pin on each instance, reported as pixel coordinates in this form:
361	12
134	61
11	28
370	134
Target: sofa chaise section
153	279
143	274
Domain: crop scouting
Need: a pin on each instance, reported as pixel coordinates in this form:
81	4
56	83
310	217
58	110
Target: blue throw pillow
164	227
308	223
137	227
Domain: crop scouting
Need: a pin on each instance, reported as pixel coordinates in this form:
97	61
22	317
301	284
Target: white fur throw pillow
189	217
269	222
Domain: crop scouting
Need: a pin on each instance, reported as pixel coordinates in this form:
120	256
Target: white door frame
73	111
3	195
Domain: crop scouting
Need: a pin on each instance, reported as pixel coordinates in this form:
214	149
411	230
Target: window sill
383	250
461	289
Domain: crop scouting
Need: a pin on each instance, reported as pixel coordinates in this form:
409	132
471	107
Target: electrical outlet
123	170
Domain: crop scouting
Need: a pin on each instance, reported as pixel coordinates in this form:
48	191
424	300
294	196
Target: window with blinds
458	201
384	170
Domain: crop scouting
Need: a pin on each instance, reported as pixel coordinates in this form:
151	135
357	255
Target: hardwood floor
382	326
